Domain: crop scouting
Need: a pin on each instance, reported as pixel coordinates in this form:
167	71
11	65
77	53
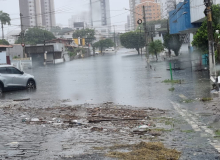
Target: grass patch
147	151
206	99
161	130
188	101
172	81
99	148
171	89
169	122
209	127
217	132
187	131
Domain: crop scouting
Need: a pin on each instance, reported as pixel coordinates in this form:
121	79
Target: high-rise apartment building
100	16
39	13
48	13
152	10
132	4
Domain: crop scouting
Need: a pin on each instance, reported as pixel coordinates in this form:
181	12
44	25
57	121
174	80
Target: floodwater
121	78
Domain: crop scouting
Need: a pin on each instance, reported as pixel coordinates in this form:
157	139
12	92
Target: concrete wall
49	56
22	63
57	61
17	50
3	57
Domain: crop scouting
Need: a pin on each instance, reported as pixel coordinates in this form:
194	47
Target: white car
11	77
110	49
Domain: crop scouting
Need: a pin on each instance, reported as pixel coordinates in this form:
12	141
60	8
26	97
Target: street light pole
22	36
146	37
208	13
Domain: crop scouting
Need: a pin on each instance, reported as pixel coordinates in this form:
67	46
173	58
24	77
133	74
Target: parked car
110	49
11	78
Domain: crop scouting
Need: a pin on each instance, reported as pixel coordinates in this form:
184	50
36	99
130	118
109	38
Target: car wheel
31	85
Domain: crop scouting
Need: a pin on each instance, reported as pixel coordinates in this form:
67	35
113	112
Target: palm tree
5	19
156	47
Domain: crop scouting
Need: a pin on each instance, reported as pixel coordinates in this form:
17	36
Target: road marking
197	125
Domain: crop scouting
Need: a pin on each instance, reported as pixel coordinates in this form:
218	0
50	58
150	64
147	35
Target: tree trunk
156	56
101	50
93	50
2	31
169	52
138	50
176	52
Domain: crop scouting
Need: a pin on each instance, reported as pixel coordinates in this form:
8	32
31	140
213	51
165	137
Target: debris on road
26	99
147	151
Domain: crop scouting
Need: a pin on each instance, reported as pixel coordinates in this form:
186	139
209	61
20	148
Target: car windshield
110	79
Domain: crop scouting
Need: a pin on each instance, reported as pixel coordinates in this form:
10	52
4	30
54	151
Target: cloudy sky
64	10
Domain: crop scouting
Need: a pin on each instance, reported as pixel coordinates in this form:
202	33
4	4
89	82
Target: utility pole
208	13
140	39
45	52
168	30
114	38
22	36
91	12
146	37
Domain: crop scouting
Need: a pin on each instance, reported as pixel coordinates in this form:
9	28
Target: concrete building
48	13
132	4
152	10
128	24
82	17
37	13
12	36
100	16
186	19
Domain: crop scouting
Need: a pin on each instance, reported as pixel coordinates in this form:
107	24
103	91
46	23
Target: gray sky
64	10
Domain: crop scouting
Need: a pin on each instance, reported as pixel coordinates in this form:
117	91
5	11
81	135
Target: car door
6	77
18	77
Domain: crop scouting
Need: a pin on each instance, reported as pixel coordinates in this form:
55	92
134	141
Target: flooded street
101	107
121	78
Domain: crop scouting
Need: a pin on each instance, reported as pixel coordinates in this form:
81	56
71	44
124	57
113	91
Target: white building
100	16
39	13
82	17
12	36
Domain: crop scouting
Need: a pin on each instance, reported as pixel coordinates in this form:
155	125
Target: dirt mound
147	151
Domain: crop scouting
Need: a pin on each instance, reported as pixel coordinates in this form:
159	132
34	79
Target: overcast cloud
64	10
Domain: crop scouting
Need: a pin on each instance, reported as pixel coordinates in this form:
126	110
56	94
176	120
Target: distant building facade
100	16
132	4
37	13
152	10
82	17
128	24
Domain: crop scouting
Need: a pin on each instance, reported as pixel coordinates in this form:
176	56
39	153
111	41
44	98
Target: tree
133	40
4	42
200	39
55	30
88	34
36	36
155	47
103	44
173	42
5	19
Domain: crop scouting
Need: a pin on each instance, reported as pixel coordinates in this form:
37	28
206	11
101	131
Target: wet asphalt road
121	78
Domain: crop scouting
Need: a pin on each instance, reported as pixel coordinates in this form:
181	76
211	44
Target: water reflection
121	78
